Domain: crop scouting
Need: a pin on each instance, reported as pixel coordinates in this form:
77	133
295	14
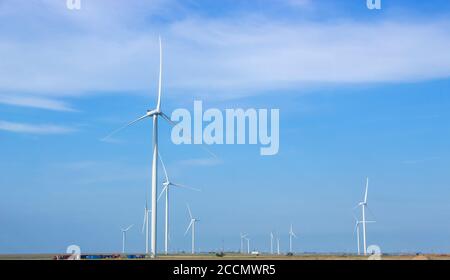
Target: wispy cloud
35	102
34	129
233	55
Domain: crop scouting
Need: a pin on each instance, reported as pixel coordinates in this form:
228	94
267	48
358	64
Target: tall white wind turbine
154	114
192	227
291	235
363	206
167	185
124	236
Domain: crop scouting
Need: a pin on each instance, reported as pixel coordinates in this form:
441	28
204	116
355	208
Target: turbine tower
248	245
191	226
167	184
271	243
278	245
363	206
291	235
124	236
154	113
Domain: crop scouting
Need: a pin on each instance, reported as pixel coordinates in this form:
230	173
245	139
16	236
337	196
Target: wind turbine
124	236
356	230
363	205
248	245
291	234
278	245
192	226
271	243
145	225
154	114
167	184
243	237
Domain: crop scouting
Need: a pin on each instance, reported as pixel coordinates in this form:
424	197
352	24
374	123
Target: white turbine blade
158	106
129	227
162	191
184	186
189	210
167	119
164	167
370	211
145	220
356	226
189	226
125	126
367	189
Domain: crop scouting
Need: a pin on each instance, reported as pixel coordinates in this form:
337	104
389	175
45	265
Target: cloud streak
35	102
42	129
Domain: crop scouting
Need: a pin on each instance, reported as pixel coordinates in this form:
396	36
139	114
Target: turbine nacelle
151	113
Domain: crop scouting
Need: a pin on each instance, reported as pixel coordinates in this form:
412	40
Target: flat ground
231	257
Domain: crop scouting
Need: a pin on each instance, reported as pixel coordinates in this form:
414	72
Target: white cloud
34	129
35	102
101	50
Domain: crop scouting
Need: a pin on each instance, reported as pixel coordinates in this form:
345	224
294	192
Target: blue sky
360	92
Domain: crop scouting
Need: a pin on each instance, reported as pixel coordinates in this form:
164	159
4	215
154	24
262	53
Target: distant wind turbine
291	235
167	184
271	243
356	230
248	245
124	236
278	245
192	227
243	237
363	206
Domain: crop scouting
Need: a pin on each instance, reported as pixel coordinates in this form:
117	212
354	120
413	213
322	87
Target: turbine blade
129	227
356	227
158	106
367	189
167	119
370	211
189	210
189	226
125	126
145	220
184	186
164	167
162	192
